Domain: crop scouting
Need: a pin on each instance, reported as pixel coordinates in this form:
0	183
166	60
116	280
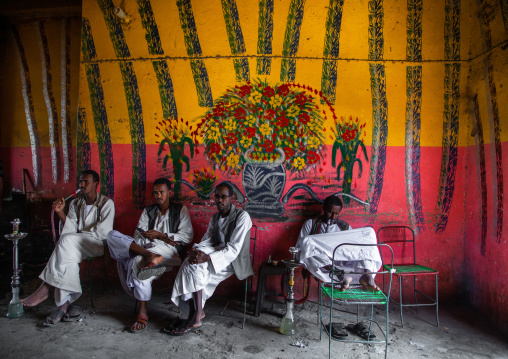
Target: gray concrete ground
102	333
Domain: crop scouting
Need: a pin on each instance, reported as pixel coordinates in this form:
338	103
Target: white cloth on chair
316	251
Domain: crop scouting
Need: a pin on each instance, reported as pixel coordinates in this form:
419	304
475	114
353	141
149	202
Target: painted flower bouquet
203	181
175	134
348	138
259	122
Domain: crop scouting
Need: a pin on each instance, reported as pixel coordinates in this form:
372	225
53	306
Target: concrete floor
102	334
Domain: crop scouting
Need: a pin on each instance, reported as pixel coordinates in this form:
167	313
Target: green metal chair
357	295
402	241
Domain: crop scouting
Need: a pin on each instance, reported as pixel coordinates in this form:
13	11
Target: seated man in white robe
224	250
86	226
319	264
158	245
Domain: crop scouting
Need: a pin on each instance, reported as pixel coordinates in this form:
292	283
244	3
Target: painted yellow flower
255	97
293	111
232	160
230	125
246	142
276	101
265	129
298	163
250	121
313	142
214	133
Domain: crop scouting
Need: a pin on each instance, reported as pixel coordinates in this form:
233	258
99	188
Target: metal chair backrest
402	242
389	270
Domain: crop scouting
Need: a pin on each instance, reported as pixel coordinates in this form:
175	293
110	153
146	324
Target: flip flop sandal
186	330
141	319
73	314
361	330
175	324
54	318
338	331
146	273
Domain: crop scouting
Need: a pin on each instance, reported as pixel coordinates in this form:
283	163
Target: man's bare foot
346	282
368	281
151	260
40	295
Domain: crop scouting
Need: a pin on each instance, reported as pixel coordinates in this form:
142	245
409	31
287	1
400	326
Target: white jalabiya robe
207	276
316	258
128	263
82	237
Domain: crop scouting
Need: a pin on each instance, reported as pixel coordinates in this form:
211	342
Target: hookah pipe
53	214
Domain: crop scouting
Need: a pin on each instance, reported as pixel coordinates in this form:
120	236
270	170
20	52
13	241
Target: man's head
331	208
162	191
88	182
223	194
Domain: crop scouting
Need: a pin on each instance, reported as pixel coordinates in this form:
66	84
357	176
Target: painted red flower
269	114
289	152
268	91
231	139
214	148
282	121
269	146
312	157
250	132
304	118
218	111
283	90
301	99
245	90
240	113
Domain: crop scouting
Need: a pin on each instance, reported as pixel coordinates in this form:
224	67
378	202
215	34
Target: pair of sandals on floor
339	330
73	314
176	328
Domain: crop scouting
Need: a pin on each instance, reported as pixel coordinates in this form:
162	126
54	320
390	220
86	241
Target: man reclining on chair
224	250
158	244
86	226
318	265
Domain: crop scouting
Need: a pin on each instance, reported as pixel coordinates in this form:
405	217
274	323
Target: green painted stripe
265	34
191	40
376	39
291	40
164	81
235	38
452	30
414	30
331	49
134	108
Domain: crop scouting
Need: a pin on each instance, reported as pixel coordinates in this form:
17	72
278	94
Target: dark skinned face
331	213
161	193
87	185
223	200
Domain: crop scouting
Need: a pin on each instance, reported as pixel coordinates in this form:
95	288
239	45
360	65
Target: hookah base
15	310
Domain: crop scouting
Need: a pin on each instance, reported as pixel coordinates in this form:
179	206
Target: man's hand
152	234
196	256
59	205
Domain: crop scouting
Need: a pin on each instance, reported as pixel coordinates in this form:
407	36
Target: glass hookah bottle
288	326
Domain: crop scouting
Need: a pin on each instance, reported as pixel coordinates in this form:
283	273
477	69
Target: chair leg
414	292
437	303
91	286
245	303
400	302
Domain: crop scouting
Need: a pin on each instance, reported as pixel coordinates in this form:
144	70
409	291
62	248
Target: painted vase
263	183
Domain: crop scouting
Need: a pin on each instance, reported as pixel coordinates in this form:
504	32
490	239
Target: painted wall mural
289	101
